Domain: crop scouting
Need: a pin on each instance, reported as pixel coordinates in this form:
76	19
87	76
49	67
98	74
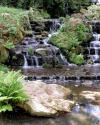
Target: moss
47	65
30	51
59	65
89	61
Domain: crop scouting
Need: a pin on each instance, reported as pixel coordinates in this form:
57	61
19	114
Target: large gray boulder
46	99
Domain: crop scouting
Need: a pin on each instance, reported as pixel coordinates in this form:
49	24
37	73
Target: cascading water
94	49
25	62
38	44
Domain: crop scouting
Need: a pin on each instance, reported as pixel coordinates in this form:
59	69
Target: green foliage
11	91
30	51
14	57
9	45
44	14
73	41
90	28
31	16
77	59
4	68
61	19
80	29
91	8
65	28
25	4
4	58
12	30
76	5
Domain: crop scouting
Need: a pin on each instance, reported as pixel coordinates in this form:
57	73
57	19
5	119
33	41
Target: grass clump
11	91
16	14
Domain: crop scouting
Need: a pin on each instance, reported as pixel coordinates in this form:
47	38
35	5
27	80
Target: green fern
11	90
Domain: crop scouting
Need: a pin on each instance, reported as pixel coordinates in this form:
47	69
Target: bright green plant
77	59
61	19
80	29
9	45
11	91
12	30
30	51
91	8
73	41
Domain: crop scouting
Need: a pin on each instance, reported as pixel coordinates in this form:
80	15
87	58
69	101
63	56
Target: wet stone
92	51
86	51
98	77
93	77
87	77
74	78
45	77
56	77
82	78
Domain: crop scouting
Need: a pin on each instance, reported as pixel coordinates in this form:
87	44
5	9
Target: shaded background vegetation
54	7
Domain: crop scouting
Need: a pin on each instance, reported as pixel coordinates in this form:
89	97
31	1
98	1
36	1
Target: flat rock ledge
49	100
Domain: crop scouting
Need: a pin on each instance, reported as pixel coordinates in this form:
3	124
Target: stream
84	113
70	76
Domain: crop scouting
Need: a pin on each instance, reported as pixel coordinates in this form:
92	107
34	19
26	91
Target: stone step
73	78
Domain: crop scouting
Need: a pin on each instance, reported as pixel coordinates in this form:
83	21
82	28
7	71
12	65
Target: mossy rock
90	61
29	33
4	54
47	65
59	65
4	32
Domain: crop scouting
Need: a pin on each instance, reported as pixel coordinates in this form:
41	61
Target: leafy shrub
39	18
80	29
12	30
65	28
77	59
11	91
31	16
61	18
30	51
9	45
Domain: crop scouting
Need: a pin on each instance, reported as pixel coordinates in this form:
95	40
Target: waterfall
67	9
25	61
94	49
36	60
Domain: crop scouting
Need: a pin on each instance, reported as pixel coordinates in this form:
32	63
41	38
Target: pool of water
84	112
